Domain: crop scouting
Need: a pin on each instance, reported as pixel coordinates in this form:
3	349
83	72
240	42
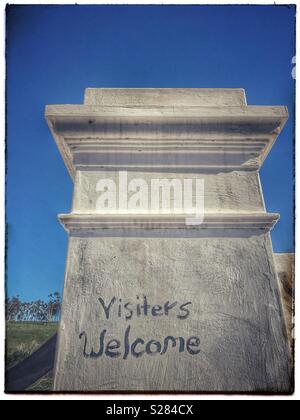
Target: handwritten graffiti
137	347
129	309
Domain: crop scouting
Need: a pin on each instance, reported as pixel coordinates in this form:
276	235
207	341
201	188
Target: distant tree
13	308
35	311
54	306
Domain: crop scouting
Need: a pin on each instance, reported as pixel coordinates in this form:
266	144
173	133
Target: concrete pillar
153	301
285	266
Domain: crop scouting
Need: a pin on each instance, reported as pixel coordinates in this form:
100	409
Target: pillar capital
196	130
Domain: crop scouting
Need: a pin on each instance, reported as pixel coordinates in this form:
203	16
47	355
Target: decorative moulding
199	138
263	222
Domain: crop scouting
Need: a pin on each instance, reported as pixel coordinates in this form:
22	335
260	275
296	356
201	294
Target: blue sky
55	52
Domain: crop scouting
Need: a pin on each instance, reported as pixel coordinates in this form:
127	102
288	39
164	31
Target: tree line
35	311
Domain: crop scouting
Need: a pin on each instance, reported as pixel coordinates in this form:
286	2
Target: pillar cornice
199	138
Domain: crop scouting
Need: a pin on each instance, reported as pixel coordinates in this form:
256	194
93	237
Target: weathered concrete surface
232	192
208	295
235	312
165	97
285	266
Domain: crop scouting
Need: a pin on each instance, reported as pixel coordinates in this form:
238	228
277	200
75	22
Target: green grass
45	384
22	339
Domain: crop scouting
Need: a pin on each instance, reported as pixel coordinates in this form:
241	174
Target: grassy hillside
22	339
